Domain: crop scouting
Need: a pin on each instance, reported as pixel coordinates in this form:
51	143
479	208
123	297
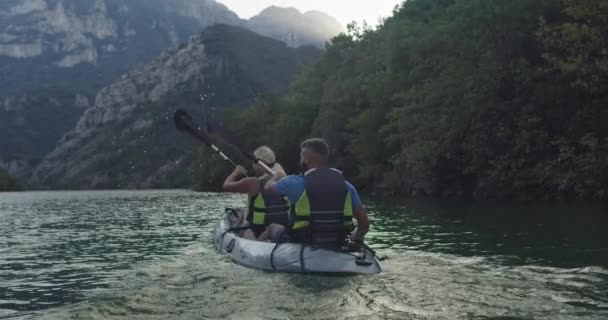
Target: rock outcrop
55	56
126	139
90	42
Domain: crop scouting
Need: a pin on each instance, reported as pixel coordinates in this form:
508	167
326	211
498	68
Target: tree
456	98
578	45
7	183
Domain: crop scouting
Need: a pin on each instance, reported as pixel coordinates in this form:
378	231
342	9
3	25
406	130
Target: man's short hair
316	145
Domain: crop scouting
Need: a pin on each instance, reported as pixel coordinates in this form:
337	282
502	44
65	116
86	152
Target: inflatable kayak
289	257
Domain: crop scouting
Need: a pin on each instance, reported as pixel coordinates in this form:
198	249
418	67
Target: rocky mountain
295	28
55	55
126	139
87	43
31	123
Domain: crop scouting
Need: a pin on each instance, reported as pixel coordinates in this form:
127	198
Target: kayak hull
290	257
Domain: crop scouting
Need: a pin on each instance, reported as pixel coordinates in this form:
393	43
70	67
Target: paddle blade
184	123
218	131
182	120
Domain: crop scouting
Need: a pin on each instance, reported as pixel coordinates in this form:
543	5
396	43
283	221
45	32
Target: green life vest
325	208
267	208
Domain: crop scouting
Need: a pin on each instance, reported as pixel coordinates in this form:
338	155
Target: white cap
265	154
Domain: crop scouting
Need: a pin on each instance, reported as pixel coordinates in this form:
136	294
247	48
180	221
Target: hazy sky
343	10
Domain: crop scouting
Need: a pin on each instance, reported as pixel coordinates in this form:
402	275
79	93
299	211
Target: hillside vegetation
501	99
7	183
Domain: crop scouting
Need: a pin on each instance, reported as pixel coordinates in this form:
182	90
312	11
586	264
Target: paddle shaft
221	154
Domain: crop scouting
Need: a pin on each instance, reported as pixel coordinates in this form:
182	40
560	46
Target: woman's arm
270	185
250	186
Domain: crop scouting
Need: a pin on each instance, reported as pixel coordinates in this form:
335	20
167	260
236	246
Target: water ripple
148	255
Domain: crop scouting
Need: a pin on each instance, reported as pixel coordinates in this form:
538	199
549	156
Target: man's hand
357	236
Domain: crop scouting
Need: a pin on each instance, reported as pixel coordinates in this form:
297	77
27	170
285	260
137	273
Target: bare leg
242	217
249	235
270	231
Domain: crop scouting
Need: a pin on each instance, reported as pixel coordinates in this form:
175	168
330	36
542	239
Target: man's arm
359	213
250	186
362	218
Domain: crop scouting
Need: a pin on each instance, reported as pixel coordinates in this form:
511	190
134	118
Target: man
264	209
323	204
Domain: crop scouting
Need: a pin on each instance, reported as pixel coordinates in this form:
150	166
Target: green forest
488	99
7	183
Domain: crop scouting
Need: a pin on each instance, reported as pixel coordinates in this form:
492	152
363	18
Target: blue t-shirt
293	187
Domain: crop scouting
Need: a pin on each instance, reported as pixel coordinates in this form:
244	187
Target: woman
264	208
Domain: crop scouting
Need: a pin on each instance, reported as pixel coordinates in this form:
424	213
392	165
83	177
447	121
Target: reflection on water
148	255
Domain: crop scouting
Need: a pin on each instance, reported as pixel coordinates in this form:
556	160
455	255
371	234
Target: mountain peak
75	38
276	10
317	13
296	29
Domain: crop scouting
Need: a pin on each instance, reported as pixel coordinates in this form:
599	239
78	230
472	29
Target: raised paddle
184	123
217	129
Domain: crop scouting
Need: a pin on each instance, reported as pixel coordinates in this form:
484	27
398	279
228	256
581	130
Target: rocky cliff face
31	123
126	138
55	56
87	43
49	106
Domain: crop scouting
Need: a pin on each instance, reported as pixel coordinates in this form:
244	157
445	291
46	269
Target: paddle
217	129
184	123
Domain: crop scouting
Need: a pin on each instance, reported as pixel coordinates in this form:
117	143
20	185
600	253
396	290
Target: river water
149	255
